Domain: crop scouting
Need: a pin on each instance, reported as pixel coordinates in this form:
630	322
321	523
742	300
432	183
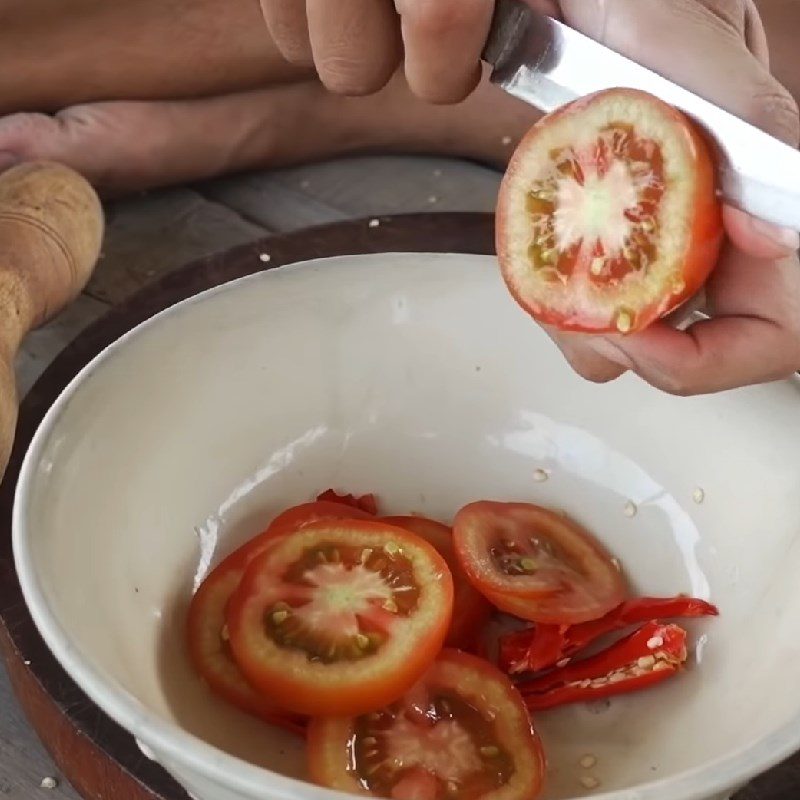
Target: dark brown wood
98	757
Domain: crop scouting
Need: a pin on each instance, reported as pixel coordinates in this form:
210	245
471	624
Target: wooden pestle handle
51	227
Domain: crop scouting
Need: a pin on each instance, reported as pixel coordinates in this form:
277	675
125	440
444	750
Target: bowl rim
185	751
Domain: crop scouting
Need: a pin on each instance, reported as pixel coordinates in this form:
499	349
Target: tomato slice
461	733
607	217
535	563
471	611
341	617
209	649
366	502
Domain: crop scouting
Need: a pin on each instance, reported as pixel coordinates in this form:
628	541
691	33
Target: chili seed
224	633
654	642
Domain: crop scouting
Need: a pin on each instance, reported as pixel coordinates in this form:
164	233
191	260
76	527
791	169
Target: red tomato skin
704	241
300	695
539	606
320	730
304	514
471	611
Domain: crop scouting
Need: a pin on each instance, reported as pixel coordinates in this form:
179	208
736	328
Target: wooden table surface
153	234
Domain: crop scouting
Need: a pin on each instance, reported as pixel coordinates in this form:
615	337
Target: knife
547	64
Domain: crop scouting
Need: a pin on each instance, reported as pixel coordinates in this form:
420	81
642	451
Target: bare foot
125	146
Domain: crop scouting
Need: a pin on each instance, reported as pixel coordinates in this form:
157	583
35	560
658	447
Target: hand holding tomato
718	49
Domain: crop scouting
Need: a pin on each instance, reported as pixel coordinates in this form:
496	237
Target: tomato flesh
470	609
607	217
535	563
461	732
342	616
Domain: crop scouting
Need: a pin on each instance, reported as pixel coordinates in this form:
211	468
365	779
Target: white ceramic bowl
416	377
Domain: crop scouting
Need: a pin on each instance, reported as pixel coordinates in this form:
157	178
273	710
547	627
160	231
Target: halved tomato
462	732
607	217
209	649
470	609
535	563
341	617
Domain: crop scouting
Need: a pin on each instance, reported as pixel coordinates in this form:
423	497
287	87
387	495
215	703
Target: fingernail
609	350
782	237
8	159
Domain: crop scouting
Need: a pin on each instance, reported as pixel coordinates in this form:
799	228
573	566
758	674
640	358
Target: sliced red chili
648	656
543	646
364	502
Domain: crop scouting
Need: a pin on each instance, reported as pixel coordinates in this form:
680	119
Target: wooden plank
151	235
266	199
355	187
43	345
23	760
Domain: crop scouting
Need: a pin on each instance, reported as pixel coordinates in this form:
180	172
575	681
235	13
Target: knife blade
547	64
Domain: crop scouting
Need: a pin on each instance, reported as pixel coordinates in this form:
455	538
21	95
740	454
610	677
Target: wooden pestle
51	227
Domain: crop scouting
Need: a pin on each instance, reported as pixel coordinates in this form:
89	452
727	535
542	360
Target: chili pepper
543	646
366	502
648	656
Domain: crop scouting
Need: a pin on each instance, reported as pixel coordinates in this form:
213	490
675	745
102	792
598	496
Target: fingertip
758	238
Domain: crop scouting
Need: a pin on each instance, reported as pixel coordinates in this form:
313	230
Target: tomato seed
362	641
391	606
279	617
365	554
528	564
490	751
624	321
391	548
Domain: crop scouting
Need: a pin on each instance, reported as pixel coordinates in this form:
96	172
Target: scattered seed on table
265	257
540	475
49	783
589	782
698	495
374	223
588	761
506	140
630	509
433	199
